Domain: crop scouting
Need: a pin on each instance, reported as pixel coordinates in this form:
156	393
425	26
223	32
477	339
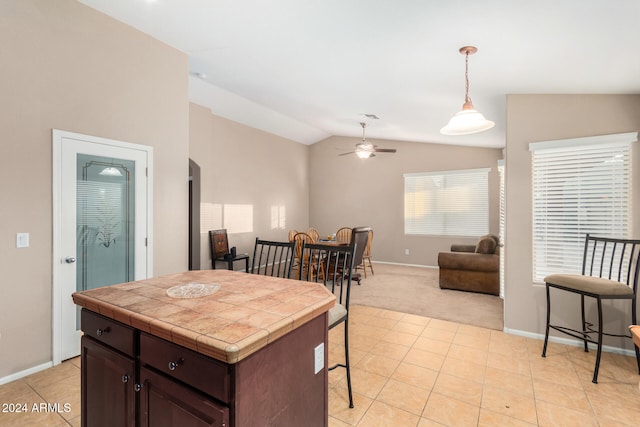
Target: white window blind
451	203
503	221
579	186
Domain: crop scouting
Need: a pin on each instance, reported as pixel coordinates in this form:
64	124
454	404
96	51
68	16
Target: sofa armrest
469	261
463	248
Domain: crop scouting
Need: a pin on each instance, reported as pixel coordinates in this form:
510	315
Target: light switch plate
318	358
22	240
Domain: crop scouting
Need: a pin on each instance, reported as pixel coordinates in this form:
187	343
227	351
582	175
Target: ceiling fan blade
384	150
348	152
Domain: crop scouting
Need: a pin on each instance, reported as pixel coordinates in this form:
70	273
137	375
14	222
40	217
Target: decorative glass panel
105	221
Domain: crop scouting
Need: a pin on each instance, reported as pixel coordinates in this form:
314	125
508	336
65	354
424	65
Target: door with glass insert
102	224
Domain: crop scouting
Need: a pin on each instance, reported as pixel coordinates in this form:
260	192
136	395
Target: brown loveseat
474	268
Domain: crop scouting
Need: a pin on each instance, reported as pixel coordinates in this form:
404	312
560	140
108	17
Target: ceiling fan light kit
365	149
468	120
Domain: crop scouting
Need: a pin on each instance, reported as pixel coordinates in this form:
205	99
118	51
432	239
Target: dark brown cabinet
108	397
119	390
133	378
167	403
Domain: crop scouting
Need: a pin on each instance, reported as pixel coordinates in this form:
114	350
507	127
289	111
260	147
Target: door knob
69	260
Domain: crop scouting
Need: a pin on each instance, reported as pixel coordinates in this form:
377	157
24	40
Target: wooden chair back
314	234
343	235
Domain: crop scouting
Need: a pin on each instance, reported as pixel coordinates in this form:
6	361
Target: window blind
503	220
451	203
579	186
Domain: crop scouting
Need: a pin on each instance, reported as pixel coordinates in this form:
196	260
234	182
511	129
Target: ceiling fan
366	149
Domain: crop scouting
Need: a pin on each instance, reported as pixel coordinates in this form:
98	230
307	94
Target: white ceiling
309	69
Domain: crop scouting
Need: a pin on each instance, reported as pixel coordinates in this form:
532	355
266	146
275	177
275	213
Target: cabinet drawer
201	372
108	331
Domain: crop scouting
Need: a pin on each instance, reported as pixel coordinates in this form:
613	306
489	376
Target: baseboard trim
568	341
26	372
403	264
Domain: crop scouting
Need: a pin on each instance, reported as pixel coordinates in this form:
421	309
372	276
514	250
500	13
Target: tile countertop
246	313
635	334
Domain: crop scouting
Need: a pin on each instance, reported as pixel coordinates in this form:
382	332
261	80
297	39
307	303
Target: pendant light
469	120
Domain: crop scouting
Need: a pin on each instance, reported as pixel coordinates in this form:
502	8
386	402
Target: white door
102	224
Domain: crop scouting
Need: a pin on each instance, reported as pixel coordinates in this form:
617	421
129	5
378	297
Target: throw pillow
486	245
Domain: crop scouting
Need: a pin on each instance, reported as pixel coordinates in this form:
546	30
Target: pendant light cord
466	78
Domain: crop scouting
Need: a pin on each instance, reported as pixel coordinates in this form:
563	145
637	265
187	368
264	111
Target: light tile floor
412	371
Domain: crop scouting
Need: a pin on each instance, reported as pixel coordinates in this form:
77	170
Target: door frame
58	256
194	215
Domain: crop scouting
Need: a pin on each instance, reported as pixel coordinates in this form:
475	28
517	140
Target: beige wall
348	191
68	67
532	118
245	166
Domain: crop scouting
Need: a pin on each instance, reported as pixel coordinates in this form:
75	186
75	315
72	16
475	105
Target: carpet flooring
415	290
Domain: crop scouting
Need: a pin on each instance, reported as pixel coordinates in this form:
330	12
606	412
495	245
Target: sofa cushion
487	244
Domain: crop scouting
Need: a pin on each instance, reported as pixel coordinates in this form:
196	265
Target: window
451	203
579	186
503	222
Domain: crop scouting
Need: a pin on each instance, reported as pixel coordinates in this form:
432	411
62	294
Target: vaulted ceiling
310	69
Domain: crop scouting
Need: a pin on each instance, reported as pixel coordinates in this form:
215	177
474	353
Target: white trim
405	265
616	138
56	297
26	372
57	137
570	342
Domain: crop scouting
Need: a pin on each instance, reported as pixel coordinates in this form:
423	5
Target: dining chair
299	239
359	237
273	258
314	234
334	260
291	234
343	235
366	256
609	271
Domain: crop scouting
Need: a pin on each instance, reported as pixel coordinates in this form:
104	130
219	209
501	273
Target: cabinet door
167	403
108	396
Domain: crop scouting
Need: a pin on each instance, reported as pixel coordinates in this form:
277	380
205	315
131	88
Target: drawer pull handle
173	365
100	332
125	378
137	387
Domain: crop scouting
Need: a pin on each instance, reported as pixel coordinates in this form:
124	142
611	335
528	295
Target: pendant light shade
469	120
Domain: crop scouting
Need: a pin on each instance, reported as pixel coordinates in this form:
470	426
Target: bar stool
609	271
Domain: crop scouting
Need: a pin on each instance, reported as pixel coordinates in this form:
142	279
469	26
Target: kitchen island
210	347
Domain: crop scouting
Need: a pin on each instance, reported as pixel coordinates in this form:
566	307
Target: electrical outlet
406	251
318	358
